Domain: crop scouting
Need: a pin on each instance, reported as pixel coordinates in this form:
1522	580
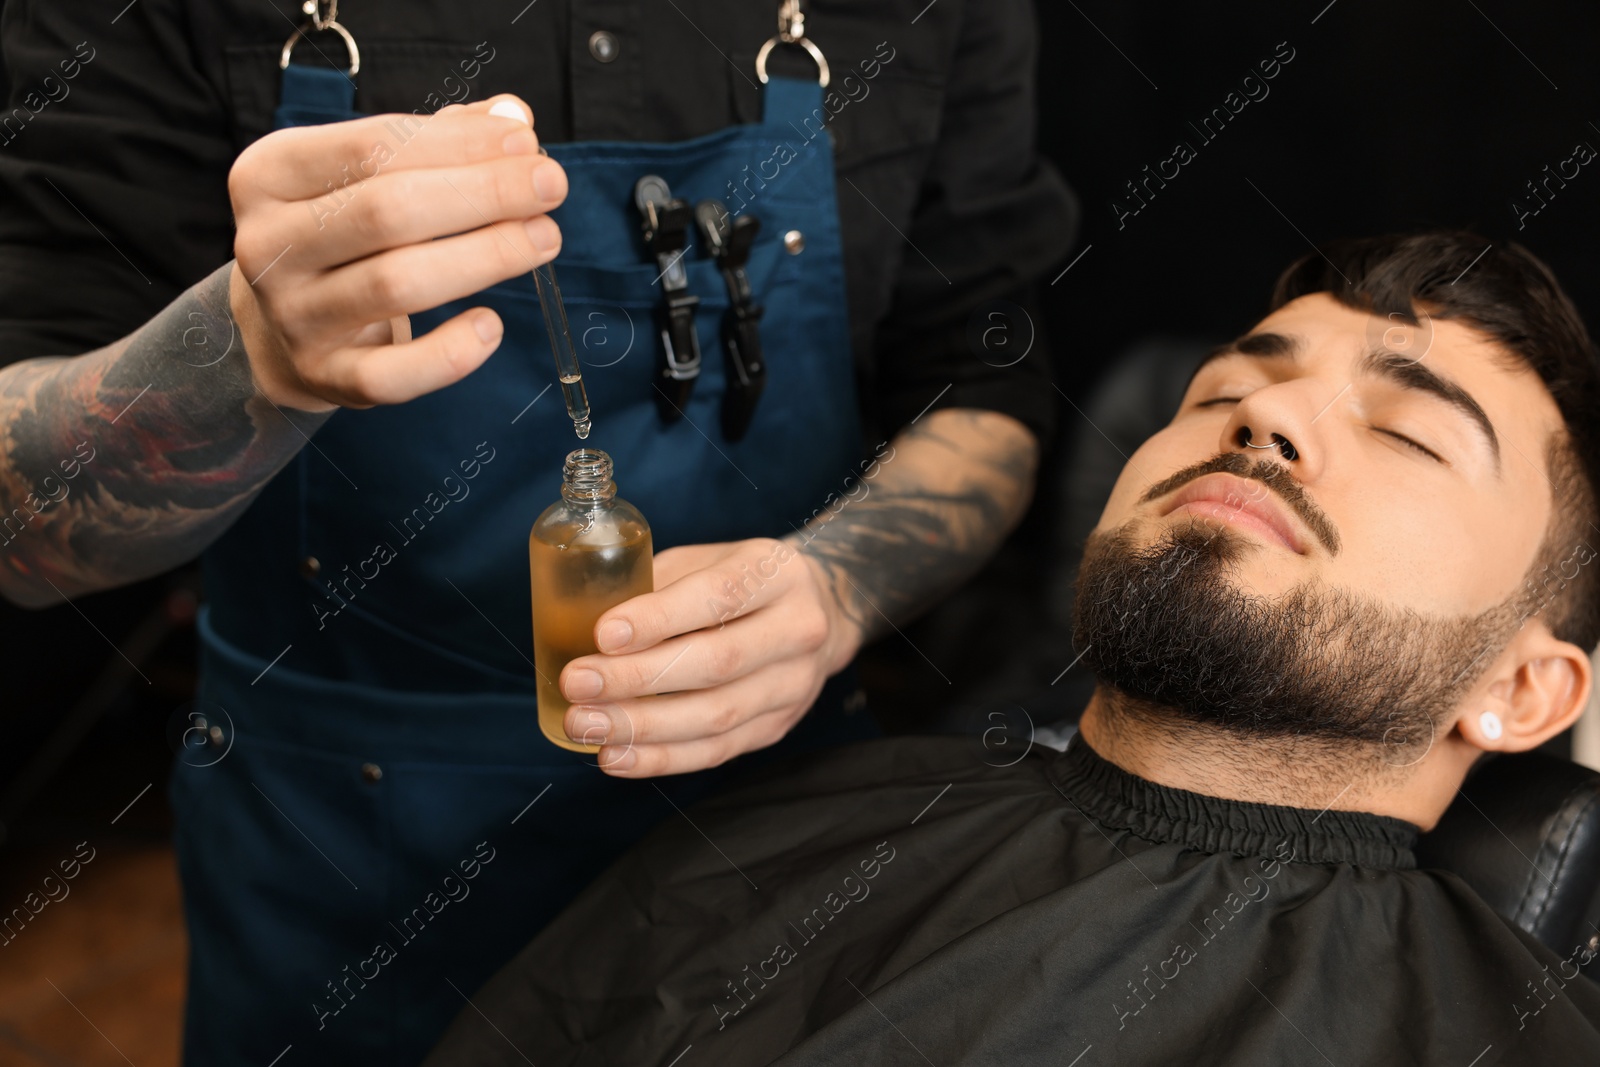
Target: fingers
405	281
388	211
308	162
701	659
652	761
344	230
753	573
672	735
673	563
506	105
393	374
509	107
702	713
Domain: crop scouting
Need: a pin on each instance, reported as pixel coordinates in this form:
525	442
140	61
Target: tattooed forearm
129	460
925	516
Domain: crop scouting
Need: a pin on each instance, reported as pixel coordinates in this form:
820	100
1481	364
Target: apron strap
314	95
793	100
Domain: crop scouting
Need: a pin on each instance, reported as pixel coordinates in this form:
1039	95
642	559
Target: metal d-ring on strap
318	19
792	30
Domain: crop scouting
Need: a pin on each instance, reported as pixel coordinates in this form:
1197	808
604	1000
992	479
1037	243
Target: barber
352	421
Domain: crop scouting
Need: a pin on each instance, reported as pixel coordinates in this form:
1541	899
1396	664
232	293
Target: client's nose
1246	437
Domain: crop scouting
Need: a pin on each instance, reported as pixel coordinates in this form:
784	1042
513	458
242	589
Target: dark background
1388	117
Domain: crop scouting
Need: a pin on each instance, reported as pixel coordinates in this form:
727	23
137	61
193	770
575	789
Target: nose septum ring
1278	441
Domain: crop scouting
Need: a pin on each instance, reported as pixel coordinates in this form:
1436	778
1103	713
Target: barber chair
1524	832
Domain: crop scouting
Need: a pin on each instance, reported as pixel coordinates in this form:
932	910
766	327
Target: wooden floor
96	977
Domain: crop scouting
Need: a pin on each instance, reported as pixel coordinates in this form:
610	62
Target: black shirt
113	179
904	902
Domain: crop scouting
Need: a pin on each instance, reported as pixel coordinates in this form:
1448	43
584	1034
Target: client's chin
1171	635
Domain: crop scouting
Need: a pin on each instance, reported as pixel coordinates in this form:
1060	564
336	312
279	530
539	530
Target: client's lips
1239	501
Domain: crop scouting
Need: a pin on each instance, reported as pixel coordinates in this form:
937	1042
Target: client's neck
1160	747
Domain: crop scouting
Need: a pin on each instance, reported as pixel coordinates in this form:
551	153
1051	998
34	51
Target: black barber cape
904	902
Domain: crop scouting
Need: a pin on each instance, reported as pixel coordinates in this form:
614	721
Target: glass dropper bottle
589	551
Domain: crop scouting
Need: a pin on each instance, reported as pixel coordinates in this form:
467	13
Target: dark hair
1505	292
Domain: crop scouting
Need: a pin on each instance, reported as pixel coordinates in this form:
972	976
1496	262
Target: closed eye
1402	438
1408	441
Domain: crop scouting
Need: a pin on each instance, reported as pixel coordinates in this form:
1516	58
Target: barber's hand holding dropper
346	229
327	273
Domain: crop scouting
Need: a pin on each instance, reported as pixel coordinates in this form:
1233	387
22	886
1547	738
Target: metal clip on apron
667	224
325	858
730	240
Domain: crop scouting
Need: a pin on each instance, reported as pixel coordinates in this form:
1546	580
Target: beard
1171	636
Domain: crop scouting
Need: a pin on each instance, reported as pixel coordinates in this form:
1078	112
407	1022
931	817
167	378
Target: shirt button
371	773
603	45
794	242
311	566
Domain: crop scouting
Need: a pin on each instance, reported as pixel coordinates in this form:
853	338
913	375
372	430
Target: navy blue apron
386	825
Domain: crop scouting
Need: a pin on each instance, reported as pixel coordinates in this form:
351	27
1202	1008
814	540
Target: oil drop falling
577	399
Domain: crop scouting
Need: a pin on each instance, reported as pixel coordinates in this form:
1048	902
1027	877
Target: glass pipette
567	369
555	320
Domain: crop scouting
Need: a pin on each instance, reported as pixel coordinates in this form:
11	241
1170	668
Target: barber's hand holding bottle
345	229
737	640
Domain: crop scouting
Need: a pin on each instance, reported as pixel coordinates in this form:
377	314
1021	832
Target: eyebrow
1410	374
1267	345
1398	369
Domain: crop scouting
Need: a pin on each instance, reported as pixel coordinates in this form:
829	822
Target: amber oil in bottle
588	552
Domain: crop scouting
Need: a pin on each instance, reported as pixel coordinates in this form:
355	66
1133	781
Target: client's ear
1539	687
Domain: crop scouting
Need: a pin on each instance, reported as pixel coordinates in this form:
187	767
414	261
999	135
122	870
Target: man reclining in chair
1360	557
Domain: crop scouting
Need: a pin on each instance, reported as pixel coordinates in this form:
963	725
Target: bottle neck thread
586	478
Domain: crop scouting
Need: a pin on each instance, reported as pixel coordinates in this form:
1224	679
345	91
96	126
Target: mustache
1274	476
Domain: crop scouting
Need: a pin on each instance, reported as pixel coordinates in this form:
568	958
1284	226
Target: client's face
1350	581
